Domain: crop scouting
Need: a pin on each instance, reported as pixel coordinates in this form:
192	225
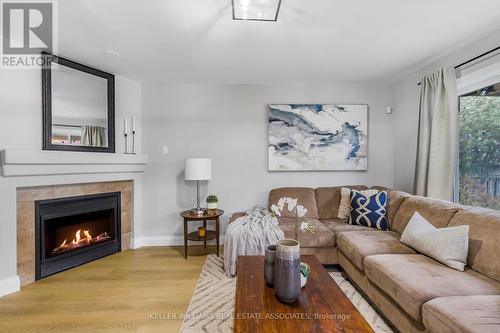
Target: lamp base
198	211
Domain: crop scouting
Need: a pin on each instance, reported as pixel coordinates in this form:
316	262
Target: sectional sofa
412	291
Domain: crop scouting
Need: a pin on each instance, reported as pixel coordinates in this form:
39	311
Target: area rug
212	305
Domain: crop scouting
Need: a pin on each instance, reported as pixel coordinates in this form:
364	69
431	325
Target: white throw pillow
345	201
446	245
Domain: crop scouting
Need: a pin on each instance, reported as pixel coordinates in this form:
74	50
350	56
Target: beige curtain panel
437	135
93	136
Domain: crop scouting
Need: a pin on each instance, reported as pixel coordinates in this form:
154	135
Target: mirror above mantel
78	106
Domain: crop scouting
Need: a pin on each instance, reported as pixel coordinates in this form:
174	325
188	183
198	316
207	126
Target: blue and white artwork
311	137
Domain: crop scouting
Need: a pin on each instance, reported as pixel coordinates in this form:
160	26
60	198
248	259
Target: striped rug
212	306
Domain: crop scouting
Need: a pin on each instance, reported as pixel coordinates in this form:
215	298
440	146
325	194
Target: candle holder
133	142
202	232
126	145
125	132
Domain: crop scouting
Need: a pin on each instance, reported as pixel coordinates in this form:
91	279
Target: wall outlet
164	150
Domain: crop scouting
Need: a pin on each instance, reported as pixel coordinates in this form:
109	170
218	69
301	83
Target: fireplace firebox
73	231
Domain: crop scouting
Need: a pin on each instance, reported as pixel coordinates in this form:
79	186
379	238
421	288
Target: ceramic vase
287	270
269	262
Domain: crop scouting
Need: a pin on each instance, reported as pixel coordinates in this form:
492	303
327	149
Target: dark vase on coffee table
269	262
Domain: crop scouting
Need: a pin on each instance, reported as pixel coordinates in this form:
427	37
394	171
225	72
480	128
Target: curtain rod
473	59
63	125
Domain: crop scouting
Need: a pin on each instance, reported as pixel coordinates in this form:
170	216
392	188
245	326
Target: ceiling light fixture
256	10
112	53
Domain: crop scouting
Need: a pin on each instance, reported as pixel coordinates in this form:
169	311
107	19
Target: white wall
21	109
228	123
405	95
21	128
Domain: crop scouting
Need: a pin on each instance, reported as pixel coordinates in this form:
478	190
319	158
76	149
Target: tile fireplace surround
26	197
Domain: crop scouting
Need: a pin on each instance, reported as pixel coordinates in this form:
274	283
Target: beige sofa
414	292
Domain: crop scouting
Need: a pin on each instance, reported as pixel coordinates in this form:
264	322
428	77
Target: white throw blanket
249	235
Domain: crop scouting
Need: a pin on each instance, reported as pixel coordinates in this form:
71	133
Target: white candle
133	124
125	126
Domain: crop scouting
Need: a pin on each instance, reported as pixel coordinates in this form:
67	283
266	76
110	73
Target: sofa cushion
288	226
380	188
413	279
358	245
339	225
394	201
446	245
464	314
304	195
369	210
437	212
322	236
484	239
328	200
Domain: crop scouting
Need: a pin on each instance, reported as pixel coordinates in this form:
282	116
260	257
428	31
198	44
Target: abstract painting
317	137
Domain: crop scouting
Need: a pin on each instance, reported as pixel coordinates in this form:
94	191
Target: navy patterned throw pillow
369	211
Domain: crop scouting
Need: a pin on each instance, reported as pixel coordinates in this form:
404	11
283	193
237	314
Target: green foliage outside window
479	153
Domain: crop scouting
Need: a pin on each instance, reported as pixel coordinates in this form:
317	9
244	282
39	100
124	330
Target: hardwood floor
144	290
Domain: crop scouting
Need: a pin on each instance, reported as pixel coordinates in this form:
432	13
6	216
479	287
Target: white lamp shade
198	169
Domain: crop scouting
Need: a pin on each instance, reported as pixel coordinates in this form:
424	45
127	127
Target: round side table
188	216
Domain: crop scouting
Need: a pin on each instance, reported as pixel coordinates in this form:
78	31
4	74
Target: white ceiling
314	41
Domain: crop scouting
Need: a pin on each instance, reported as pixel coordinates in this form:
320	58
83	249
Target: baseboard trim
158	241
9	285
166	241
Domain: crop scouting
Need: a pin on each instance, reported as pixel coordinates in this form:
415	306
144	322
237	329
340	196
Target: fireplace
73	231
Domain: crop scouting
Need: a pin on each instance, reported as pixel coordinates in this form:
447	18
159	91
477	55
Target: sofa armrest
236	215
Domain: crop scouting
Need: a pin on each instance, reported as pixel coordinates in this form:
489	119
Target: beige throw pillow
345	201
446	245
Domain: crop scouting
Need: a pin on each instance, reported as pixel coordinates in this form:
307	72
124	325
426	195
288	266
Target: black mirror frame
48	59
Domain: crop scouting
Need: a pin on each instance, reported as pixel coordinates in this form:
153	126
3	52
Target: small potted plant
212	203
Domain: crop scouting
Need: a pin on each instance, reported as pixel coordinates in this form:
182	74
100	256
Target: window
479	153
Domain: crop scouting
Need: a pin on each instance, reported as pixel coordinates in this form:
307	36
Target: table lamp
198	169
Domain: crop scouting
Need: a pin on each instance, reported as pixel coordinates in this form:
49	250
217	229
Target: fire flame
80	241
76	241
87	236
78	238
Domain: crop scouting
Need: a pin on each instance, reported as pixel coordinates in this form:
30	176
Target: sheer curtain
437	135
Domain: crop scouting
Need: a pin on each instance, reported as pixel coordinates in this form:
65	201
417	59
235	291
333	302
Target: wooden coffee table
321	306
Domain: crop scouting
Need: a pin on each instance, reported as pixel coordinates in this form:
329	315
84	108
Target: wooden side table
209	235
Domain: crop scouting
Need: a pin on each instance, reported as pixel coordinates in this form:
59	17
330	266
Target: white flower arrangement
306	226
292	206
275	210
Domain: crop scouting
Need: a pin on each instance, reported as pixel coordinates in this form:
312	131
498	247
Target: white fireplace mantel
22	162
